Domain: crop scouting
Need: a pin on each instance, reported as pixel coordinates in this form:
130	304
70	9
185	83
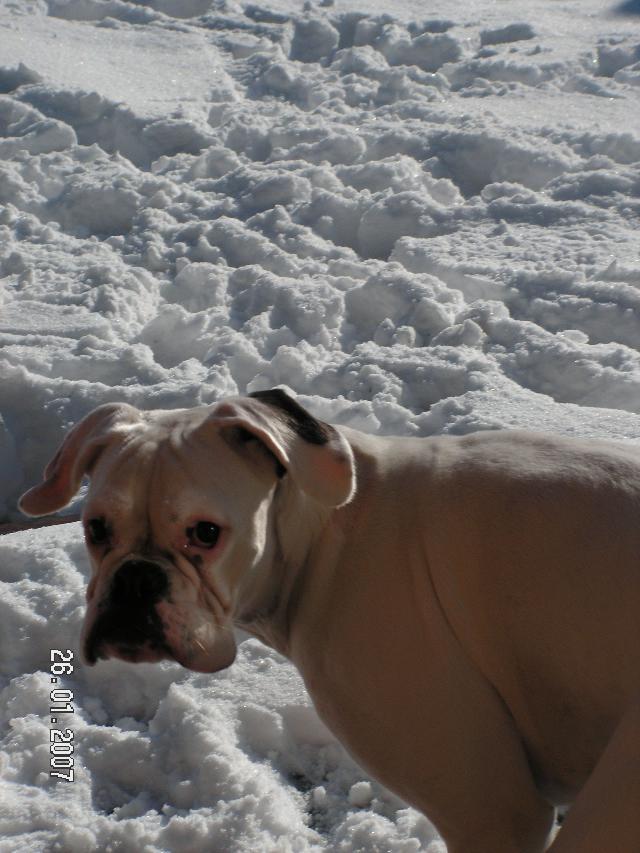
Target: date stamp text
61	744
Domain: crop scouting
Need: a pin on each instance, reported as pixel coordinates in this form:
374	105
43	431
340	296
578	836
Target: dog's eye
204	534
97	531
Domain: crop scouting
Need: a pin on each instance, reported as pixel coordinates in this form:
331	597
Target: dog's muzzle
127	625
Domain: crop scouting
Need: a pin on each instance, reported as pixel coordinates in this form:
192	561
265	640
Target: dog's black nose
138	583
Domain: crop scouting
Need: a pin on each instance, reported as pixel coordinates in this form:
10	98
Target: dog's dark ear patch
297	418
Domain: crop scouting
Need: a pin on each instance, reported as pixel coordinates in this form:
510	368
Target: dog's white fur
465	611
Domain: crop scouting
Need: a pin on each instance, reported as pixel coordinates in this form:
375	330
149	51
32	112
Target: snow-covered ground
420	220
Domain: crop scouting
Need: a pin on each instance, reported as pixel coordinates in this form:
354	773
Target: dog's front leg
606	814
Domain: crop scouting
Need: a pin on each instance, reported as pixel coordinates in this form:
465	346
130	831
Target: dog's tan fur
465	611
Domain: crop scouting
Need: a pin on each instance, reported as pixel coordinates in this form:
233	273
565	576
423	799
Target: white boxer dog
465	611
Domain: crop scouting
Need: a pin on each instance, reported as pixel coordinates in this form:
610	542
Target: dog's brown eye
97	531
204	534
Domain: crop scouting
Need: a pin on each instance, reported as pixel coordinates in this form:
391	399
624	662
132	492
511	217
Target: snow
420	223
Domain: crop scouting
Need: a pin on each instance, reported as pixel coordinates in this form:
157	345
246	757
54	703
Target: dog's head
178	518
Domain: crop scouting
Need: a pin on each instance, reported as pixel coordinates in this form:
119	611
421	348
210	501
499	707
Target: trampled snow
421	220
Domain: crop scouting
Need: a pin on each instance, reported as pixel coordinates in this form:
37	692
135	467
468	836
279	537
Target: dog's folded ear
75	457
313	453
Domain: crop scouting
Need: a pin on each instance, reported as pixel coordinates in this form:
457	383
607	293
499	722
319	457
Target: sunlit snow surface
421	220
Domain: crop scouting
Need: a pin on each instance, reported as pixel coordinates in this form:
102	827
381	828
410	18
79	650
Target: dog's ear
316	456
75	457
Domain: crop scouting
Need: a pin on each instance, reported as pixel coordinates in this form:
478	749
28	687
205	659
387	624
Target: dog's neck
308	542
297	523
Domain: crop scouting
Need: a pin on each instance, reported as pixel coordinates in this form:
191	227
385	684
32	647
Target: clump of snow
313	39
504	35
419	226
615	54
428	51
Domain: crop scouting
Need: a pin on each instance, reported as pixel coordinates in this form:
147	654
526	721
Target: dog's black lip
130	630
93	652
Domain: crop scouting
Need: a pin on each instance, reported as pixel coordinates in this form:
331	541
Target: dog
464	610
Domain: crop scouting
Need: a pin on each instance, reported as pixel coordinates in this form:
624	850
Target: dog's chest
380	665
